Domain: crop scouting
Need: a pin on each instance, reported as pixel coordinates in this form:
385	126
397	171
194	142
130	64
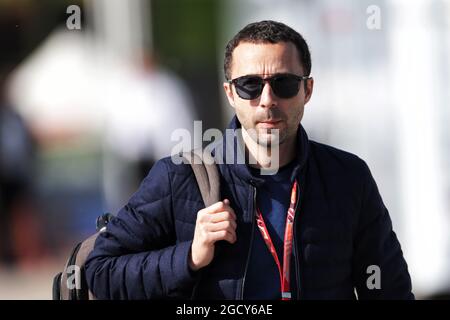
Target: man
315	229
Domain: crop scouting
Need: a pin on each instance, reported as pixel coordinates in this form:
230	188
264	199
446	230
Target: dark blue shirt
272	198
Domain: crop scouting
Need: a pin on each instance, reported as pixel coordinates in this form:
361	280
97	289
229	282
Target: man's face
268	112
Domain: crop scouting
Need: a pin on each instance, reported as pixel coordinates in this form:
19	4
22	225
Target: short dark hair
271	32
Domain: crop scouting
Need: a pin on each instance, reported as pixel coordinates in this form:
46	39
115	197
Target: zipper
251	243
297	263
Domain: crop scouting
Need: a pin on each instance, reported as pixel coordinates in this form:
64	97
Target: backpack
71	283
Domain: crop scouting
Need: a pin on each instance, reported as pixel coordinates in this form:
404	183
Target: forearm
155	274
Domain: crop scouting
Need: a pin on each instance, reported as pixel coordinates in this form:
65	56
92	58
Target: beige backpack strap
206	174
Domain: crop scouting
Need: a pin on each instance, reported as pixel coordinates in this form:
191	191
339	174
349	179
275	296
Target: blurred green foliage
185	32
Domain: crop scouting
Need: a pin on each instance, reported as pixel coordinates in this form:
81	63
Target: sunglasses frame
268	79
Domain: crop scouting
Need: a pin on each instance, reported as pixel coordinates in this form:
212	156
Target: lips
269	123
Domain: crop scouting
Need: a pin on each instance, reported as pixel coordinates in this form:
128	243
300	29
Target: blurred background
91	91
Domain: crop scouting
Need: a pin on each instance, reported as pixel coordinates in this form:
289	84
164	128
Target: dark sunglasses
284	86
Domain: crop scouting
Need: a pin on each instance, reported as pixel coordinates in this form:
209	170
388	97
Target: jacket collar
232	142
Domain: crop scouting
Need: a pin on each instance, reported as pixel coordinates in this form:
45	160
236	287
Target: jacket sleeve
137	257
379	269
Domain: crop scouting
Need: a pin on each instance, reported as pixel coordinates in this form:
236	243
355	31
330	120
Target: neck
269	157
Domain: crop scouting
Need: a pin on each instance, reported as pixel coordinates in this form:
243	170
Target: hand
214	223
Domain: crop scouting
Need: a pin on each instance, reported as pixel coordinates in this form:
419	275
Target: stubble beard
269	138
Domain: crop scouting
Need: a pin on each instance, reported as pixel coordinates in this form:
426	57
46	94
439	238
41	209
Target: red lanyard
288	234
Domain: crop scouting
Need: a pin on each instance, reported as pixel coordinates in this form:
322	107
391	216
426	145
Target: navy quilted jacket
341	228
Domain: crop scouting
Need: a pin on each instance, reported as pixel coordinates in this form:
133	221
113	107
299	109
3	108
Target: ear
229	92
309	89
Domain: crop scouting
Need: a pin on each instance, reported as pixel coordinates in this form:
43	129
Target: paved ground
29	283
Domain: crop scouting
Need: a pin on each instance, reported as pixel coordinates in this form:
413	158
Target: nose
268	98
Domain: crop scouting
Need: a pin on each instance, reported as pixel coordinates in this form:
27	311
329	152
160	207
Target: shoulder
337	161
169	170
170	166
163	175
335	156
165	180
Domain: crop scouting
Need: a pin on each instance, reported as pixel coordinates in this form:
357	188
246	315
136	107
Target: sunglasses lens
285	86
249	87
